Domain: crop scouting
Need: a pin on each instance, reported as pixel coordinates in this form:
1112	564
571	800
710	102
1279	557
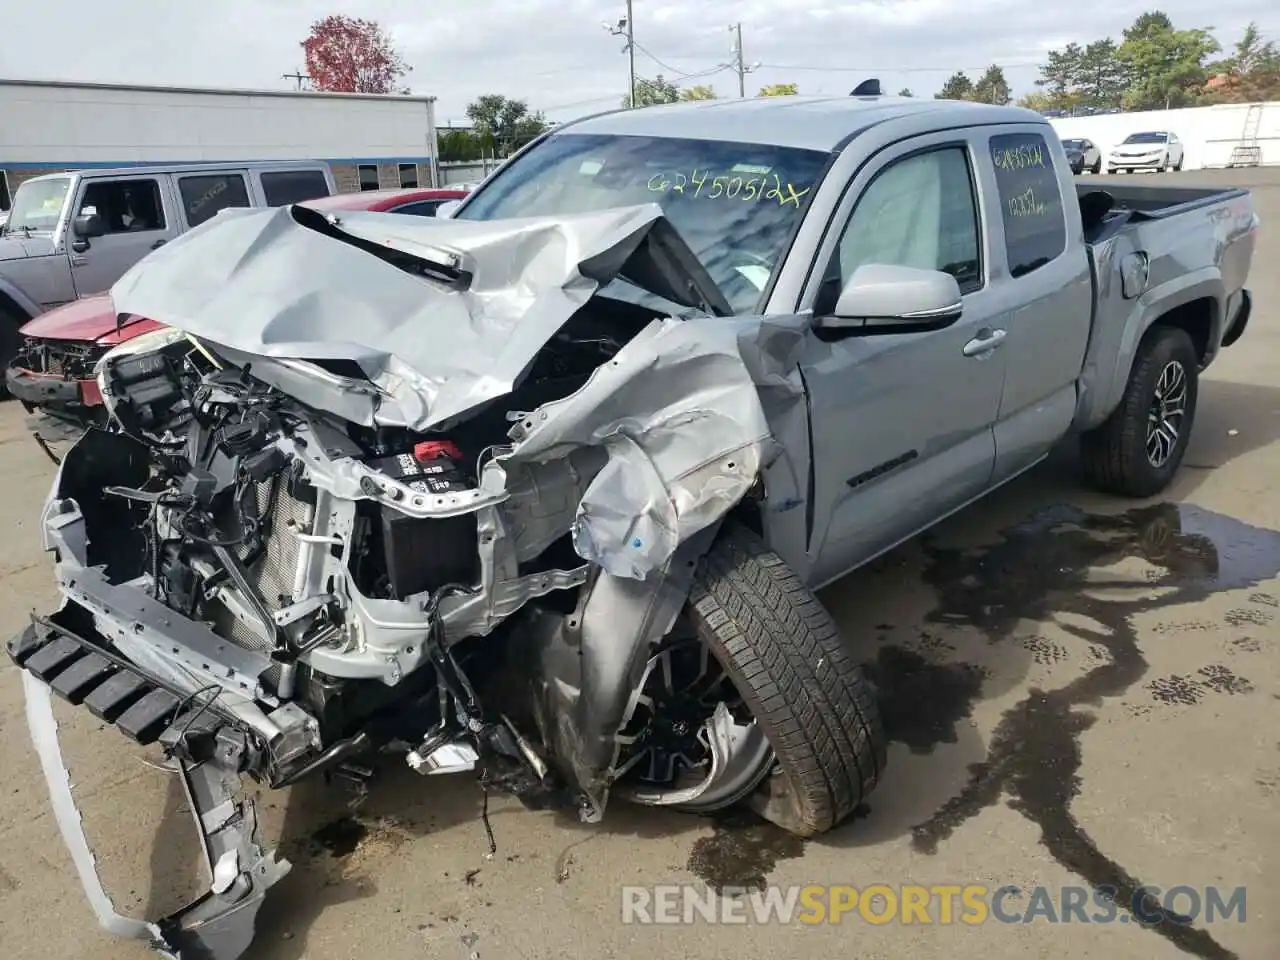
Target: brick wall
345	177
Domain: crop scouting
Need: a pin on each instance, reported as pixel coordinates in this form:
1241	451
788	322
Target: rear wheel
1138	449
1097	166
765	702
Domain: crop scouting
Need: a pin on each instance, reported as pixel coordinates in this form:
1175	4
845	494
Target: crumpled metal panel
262	282
680	418
677	411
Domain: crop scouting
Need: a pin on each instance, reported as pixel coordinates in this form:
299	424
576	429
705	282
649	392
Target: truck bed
1132	202
1155	249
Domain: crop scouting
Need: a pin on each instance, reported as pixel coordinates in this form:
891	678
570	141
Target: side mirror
88	225
885	299
446	209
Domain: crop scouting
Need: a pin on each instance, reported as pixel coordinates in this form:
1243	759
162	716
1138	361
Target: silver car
1083	155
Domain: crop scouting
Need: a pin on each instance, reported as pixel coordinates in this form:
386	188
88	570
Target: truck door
133	214
1039	266
902	422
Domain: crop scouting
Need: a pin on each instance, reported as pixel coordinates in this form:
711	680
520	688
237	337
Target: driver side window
918	212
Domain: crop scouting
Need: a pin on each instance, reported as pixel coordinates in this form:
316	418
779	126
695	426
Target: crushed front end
270	571
54	381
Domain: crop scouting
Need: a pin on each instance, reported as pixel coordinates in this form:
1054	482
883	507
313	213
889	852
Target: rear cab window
283	187
1035	226
204	194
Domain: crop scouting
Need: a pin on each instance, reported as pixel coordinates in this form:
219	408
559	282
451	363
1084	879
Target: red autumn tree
349	55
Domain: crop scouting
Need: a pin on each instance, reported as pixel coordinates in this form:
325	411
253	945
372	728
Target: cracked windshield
735	204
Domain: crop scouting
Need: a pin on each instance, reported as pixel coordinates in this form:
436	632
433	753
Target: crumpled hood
290	284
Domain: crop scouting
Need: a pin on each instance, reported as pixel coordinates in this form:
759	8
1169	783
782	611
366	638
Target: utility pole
296	75
739	64
626	28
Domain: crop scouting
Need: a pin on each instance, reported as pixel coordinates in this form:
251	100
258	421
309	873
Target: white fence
1208	133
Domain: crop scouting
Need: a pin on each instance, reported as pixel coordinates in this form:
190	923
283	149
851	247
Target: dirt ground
1075	695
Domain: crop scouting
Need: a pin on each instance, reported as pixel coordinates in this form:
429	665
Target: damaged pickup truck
544	490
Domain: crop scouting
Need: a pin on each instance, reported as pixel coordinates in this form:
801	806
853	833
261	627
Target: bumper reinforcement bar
219	925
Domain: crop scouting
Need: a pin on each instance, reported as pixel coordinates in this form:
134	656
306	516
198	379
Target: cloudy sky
558	56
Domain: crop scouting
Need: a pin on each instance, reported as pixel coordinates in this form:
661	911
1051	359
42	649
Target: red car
52	374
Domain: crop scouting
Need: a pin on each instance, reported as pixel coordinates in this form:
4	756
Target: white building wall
69	125
1209	133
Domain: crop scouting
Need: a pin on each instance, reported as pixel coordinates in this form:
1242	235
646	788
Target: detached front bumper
61	408
220	924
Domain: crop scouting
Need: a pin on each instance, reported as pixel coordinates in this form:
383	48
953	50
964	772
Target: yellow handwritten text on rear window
705	184
1026	204
1019	158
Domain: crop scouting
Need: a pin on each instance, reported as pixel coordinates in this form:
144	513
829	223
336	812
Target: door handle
158	244
984	343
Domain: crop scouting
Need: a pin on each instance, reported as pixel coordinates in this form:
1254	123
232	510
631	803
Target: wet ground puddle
1040	570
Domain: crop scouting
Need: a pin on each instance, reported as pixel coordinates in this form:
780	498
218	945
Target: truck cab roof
804	122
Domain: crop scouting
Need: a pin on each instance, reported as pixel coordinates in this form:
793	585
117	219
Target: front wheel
1097	166
10	341
793	723
1138	449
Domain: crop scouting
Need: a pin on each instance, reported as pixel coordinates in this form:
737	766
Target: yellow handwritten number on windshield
701	184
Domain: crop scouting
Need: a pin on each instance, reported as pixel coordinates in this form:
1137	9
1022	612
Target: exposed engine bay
266	587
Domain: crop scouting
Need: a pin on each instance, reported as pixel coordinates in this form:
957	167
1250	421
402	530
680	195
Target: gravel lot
1051	726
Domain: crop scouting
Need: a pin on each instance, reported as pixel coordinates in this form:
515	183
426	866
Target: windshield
37	205
1146	138
1073	144
735	204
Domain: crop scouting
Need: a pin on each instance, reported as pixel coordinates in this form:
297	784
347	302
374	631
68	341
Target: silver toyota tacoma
544	490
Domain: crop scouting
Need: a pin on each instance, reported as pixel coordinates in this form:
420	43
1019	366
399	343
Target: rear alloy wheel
753	696
1138	449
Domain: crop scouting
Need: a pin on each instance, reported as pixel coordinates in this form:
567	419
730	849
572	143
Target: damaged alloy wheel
691	742
762	702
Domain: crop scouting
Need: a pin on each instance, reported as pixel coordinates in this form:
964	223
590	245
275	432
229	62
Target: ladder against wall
1248	152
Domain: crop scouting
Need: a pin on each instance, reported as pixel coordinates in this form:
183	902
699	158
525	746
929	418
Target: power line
680	74
580	103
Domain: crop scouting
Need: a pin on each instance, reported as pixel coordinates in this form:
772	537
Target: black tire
1097	167
10	341
785	656
1115	453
